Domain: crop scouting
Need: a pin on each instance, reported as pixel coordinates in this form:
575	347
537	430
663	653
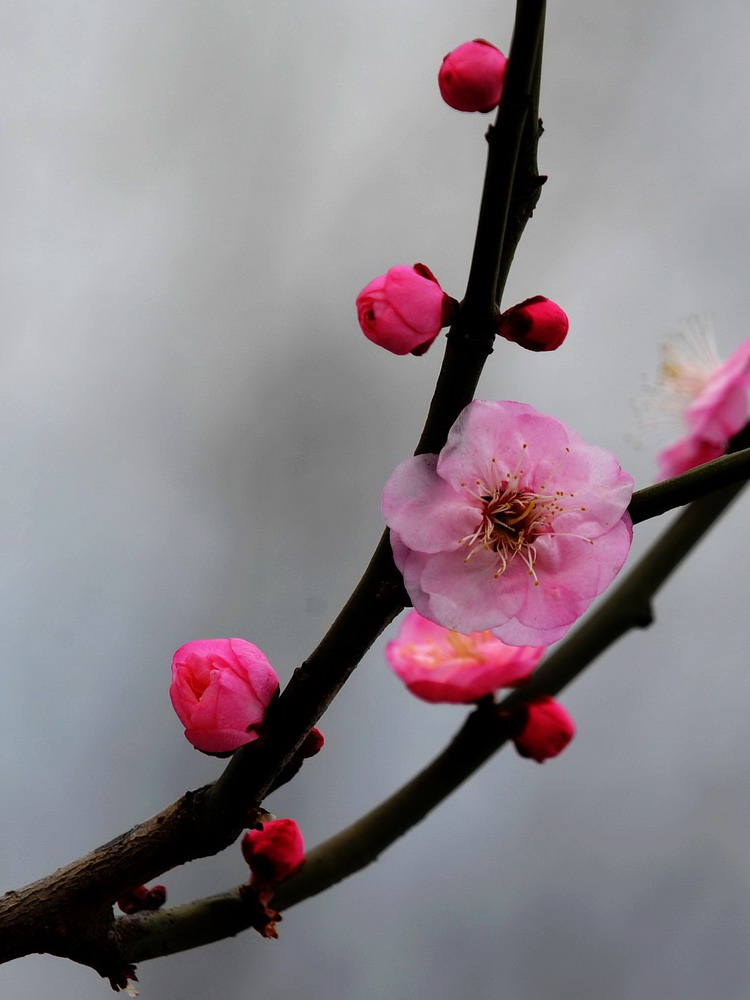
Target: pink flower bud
547	731
221	689
471	77
275	852
538	324
404	309
141	898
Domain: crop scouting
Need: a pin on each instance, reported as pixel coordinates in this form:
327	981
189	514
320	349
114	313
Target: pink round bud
538	324
404	310
275	852
221	689
547	731
471	77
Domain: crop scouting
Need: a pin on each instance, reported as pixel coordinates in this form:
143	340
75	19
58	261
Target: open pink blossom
439	665
221	689
516	526
547	731
715	402
404	309
471	77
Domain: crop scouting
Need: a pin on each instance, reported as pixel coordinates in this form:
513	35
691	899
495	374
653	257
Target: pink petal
418	300
515	634
219	741
466	596
483	431
427	513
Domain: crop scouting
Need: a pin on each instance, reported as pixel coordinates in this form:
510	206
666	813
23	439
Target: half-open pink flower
439	665
404	309
275	852
516	526
471	77
713	397
547	731
538	324
221	689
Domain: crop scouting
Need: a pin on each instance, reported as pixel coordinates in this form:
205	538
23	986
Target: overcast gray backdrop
195	433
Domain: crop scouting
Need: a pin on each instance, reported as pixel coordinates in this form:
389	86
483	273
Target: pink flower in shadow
439	665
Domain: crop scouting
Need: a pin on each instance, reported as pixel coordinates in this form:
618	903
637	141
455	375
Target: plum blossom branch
379	596
176	835
202	823
68	913
485	731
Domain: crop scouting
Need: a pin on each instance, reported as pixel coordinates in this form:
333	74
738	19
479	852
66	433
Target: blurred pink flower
221	689
713	397
443	666
538	324
275	852
516	526
471	77
404	309
547	731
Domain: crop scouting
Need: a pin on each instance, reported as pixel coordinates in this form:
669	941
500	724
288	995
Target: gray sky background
195	434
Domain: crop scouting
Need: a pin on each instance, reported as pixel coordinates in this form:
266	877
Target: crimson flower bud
313	743
547	731
275	852
471	77
538	324
404	309
142	898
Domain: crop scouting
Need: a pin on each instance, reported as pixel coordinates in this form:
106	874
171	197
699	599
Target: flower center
456	646
511	521
682	377
464	647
